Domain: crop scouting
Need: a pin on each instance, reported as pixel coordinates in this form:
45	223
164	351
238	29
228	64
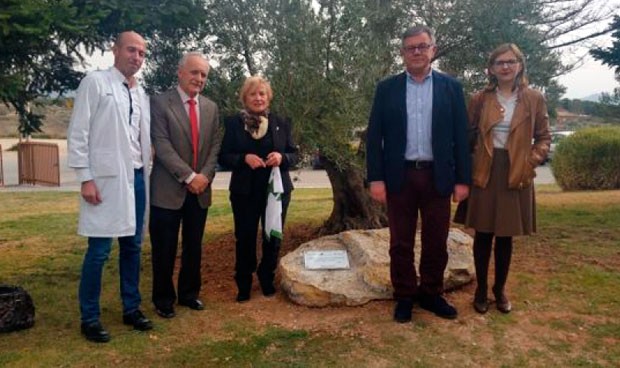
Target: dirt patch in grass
219	262
373	321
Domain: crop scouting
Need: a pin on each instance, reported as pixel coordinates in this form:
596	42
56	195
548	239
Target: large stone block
368	278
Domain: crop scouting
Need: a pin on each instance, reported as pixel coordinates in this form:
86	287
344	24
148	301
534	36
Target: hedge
588	160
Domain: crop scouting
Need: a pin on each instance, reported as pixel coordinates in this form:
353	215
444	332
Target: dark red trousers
418	195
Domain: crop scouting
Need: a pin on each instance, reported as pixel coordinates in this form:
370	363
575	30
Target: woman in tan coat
513	138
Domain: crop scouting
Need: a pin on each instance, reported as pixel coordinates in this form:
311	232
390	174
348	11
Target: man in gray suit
186	141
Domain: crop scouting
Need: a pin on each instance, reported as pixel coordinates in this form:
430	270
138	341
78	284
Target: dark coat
387	134
237	143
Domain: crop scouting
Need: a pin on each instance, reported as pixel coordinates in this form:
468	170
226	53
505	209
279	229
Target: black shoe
438	305
95	332
138	321
481	303
243	297
501	302
266	285
481	306
194	304
244	287
402	310
165	312
268	289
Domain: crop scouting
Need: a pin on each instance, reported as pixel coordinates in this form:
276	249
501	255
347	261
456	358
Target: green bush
588	159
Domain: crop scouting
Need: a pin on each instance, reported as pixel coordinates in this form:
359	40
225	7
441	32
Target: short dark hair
416	30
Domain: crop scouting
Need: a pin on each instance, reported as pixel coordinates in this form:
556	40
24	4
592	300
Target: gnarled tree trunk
353	206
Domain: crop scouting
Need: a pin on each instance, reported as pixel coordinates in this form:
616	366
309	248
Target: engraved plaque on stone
326	260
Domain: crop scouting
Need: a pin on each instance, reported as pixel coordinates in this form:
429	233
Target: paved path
68	182
304	178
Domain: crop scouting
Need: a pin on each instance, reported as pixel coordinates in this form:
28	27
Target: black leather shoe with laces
438	305
137	320
95	332
165	312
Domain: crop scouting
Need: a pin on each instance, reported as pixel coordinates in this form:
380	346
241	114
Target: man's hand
461	192
377	191
90	193
274	159
198	185
254	161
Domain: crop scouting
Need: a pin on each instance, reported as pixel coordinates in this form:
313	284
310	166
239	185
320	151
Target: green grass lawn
564	284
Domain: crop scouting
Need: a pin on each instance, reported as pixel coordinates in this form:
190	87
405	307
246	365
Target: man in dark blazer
186	141
417	156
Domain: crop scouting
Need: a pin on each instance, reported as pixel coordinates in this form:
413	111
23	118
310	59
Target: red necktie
193	121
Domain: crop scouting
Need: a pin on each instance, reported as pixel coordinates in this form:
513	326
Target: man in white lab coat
109	147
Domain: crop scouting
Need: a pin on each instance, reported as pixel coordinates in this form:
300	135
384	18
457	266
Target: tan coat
530	121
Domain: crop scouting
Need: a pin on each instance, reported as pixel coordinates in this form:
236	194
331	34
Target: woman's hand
274	159
254	161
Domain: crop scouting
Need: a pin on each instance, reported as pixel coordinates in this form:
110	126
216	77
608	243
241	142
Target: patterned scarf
255	124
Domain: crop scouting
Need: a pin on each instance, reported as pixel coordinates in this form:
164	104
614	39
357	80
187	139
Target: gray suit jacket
172	145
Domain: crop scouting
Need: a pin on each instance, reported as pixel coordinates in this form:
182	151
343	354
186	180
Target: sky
590	78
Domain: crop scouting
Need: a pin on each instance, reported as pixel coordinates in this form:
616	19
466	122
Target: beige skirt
499	210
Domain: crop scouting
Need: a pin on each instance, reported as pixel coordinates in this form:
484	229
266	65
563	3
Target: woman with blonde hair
512	139
256	141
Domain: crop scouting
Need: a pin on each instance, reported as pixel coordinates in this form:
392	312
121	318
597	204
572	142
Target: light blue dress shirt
419	118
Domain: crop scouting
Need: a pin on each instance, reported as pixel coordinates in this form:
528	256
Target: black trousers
248	209
164	228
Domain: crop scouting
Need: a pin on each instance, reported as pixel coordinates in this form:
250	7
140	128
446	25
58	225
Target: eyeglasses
421	48
503	63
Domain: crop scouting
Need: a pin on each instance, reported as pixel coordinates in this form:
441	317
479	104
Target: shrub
588	159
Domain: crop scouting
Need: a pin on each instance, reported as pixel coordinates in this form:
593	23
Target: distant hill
594	97
54	126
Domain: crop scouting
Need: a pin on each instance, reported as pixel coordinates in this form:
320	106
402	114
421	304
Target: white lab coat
99	148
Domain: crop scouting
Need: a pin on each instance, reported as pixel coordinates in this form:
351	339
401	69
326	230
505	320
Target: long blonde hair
521	78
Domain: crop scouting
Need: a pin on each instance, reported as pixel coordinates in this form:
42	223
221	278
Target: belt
419	165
